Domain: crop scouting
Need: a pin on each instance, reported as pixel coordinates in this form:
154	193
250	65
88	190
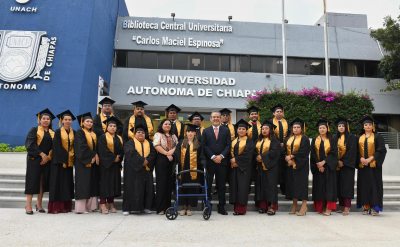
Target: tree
389	38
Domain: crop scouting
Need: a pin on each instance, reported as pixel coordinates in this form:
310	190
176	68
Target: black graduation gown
369	180
174	130
345	176
86	178
186	178
97	126
110	171
267	181
61	179
240	177
164	182
297	179
138	121
138	182
324	185
34	171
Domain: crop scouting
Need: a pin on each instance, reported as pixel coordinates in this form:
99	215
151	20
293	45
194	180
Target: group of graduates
269	153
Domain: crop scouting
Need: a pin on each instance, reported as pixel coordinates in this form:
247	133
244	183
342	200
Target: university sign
23	55
21	8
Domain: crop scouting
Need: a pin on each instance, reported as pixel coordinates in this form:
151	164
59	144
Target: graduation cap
139	104
139	127
253	109
225	111
300	122
191	127
276	107
195	114
268	123
342	120
83	117
323	121
66	113
367	119
172	107
242	123
45	112
114	120
106	100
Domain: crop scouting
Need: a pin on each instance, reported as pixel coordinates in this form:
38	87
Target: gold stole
40	135
178	125
232	130
149	124
91	140
110	142
64	142
265	143
327	146
242	145
145	150
102	119
296	146
192	158
371	149
284	125
250	130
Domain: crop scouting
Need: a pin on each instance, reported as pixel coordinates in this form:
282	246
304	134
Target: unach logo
22	1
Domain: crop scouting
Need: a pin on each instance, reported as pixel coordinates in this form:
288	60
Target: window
211	62
298	66
149	60
316	67
352	68
120	59
134	59
244	63
165	61
371	69
225	63
257	64
334	69
180	61
196	62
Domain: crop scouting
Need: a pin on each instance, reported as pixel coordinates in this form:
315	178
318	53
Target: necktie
280	131
216	133
255	131
366	148
321	151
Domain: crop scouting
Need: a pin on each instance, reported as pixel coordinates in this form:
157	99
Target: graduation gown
139	121
268	171
86	174
187	164
61	171
34	171
297	178
138	179
369	178
240	176
178	129
110	171
99	126
345	175
324	186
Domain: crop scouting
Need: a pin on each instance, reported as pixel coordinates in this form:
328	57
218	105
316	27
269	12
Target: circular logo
22	1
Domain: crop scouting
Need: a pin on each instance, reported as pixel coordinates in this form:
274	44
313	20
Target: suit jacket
211	146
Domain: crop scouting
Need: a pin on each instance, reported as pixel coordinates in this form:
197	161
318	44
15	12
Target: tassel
327	125
38	118
81	122
304	130
59	123
373	127
348	127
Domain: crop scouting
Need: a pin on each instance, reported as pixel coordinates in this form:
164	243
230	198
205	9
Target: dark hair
260	136
196	143
159	128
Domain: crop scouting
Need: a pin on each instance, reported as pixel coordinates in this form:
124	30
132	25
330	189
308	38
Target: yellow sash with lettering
70	149
371	149
149	124
265	143
296	146
192	160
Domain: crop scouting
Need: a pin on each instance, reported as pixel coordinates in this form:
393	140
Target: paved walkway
18	229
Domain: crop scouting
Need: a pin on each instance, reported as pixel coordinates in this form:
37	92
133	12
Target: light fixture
229	18
267	75
173	16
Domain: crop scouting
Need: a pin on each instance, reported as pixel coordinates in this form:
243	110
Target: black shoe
28	212
40	210
222	211
261	211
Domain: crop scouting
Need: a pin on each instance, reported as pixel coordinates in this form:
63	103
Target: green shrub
5	147
19	149
313	104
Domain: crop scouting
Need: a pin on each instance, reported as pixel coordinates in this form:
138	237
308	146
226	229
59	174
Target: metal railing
392	139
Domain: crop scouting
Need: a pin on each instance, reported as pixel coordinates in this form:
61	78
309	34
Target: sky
304	12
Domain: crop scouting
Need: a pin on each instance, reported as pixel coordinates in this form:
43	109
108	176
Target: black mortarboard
138	127
172	107
253	109
322	121
225	111
66	113
242	123
83	117
297	120
341	120
112	119
269	123
139	103
191	127
367	119
278	106
46	112
195	114
106	100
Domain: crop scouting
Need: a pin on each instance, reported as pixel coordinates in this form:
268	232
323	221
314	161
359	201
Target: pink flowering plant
311	104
